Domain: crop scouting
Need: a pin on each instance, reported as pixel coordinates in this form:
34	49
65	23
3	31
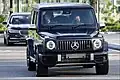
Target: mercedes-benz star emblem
75	45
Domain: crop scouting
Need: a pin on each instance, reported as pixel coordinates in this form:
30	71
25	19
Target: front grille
15	35
24	32
66	45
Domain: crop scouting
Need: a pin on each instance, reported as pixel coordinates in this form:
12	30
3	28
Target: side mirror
101	25
4	23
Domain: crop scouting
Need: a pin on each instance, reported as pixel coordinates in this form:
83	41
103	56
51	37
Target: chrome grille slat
81	45
62	45
85	44
67	45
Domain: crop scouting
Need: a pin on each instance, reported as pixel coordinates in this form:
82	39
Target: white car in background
17	27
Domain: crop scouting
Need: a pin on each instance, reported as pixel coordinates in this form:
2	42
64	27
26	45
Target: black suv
17	27
65	35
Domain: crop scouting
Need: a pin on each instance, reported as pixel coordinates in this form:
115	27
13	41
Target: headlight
97	43
13	31
50	45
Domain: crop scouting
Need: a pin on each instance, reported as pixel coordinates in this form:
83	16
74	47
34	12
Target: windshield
68	17
20	19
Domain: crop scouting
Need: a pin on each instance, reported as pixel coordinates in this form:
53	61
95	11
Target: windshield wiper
81	25
53	26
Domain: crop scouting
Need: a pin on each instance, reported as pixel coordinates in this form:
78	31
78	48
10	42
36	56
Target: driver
76	20
48	16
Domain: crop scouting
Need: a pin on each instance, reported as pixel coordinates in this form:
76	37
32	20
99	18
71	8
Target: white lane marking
14	64
12	60
116	77
12	51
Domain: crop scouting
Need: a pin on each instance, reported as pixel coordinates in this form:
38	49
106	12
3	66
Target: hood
80	33
20	26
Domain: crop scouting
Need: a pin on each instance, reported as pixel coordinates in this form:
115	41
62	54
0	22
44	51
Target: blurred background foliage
2	18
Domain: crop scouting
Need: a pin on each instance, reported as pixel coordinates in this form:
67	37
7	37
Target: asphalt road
113	40
13	66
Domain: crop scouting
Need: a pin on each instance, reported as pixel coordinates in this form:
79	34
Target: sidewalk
114	46
113	40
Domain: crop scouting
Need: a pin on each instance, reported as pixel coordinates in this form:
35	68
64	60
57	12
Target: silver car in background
17	27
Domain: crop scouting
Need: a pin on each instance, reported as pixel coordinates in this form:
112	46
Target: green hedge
115	28
2	28
2	18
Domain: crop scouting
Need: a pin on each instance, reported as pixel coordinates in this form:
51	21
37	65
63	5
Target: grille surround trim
84	45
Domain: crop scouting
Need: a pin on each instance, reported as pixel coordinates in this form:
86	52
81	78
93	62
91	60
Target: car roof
21	13
59	5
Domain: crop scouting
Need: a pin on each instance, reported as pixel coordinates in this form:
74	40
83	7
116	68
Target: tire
4	41
102	69
31	65
41	70
7	42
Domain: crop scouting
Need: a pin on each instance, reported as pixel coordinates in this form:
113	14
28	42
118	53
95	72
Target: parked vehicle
17	27
65	35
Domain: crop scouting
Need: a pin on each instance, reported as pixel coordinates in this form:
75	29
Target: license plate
75	55
71	56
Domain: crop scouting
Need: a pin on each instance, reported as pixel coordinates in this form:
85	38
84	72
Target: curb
113	46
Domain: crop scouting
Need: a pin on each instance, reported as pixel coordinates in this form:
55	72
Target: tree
11	7
108	10
94	4
57	0
27	5
5	7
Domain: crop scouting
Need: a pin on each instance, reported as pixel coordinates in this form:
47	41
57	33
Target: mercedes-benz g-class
65	34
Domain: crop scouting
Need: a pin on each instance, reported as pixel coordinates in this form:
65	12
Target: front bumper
16	38
57	60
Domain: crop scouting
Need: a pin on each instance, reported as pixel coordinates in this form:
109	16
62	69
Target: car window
20	19
34	17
